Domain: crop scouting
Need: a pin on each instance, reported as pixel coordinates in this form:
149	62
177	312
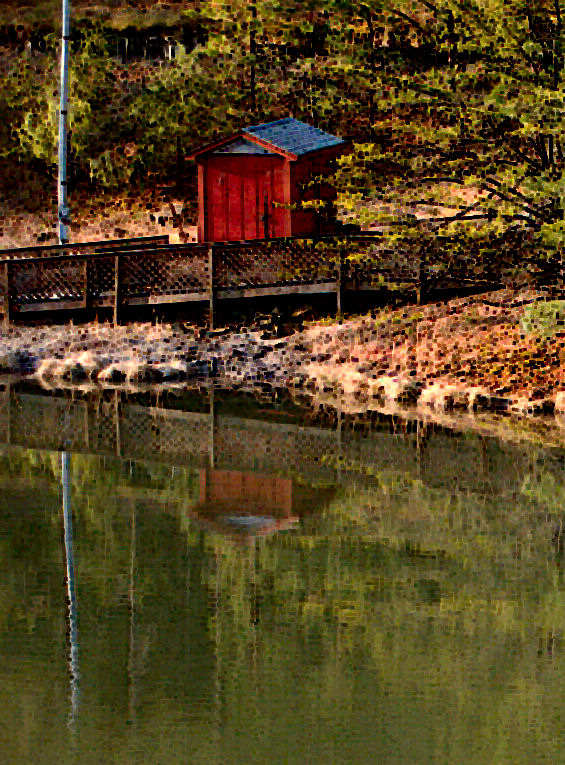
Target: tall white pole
63	209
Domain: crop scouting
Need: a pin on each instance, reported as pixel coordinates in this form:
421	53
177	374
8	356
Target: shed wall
307	222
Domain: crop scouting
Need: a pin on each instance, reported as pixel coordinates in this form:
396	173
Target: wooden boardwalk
121	274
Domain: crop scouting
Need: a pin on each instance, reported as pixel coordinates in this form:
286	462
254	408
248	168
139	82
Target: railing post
212	432
86	426
7	413
117	291
211	286
338	278
9	428
85	283
5	293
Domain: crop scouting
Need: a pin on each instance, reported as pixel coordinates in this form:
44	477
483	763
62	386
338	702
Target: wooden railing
40	250
111	278
119	274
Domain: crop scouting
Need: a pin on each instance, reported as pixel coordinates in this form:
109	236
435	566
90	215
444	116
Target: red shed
251	185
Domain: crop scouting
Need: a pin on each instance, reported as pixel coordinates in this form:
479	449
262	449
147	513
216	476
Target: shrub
544	319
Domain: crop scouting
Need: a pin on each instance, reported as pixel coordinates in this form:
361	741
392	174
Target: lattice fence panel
368	263
308	262
104	428
274	263
237	267
273	448
164	272
100	276
182	438
147	434
36	282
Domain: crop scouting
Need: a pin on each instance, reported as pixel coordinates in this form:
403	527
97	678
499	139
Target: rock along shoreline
465	355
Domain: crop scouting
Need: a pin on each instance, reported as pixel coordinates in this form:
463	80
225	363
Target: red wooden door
258	204
265	204
240	195
234	206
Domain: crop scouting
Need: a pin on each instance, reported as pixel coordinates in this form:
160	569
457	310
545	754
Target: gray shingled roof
294	136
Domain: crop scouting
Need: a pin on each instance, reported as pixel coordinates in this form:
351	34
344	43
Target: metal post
132	690
63	209
117	290
117	425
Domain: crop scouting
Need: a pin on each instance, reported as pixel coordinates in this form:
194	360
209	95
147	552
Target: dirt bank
469	353
473	354
97	218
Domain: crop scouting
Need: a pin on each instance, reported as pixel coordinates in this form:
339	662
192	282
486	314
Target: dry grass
476	341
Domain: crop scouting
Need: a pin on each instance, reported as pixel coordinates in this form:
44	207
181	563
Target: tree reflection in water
413	607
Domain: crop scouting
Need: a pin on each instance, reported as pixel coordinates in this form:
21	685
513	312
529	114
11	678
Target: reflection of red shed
251	185
244	502
249	504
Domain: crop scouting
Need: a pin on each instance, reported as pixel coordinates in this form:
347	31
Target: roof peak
287	136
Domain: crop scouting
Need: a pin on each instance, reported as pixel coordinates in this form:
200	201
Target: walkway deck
121	274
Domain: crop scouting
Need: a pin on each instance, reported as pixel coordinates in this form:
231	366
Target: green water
322	597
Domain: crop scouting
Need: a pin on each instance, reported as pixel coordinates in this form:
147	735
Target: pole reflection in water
132	690
71	594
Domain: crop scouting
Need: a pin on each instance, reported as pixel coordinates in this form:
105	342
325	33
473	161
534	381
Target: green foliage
544	319
482	116
33	98
181	104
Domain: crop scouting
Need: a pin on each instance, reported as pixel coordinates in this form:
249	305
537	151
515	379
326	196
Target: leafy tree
475	125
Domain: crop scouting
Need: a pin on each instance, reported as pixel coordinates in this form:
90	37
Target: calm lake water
248	588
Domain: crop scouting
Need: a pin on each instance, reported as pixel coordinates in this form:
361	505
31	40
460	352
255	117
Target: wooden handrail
159	243
108	244
79	256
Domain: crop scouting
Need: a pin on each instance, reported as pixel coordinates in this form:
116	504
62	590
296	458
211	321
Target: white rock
175	370
91	363
442	396
49	369
395	389
113	373
140	372
479	399
560	402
